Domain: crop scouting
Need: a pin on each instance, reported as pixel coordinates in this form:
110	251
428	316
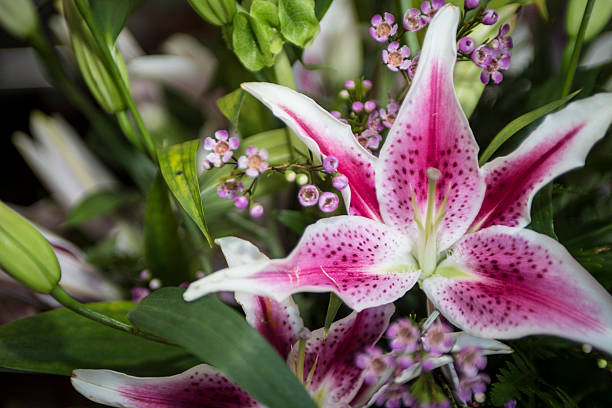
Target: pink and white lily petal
504	282
201	386
431	130
336	379
325	135
363	261
559	144
278	322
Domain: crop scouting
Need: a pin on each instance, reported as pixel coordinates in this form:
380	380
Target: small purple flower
412	67
510	404
471	4
350	84
144	275
336	114
155	284
370	105
489	17
367	84
414	20
470	361
396	396
388	116
492	70
221	149
503	43
482	56
308	195
256	211
330	164
404	336
369	139
383	28
374	122
471	385
466	45
254	161
430	7
328	202
230	188
374	363
437	339
139	293
340	181
395	57
241	202
357	106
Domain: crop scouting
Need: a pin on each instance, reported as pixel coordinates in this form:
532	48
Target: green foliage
542	212
231	104
178	166
298	22
520	381
218	335
97	204
25	254
60	341
165	255
111	16
602	11
251	42
216	12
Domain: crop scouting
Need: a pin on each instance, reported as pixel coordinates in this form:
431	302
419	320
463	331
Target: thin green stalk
125	123
571	71
69	302
83	7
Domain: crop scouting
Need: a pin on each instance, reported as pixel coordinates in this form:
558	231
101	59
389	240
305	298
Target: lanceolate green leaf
96	204
164	253
298	22
111	15
178	166
25	254
60	341
542	212
231	104
518	124
218	335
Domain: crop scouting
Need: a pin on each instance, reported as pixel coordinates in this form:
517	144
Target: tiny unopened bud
367	84
241	202
330	164
256	211
155	284
370	106
471	4
144	275
328	202
308	195
602	363
350	84
587	348
489	17
290	176
301	179
357	106
433	174
340	182
344	94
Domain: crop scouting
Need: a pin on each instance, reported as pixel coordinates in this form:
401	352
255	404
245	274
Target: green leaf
266	12
164	253
297	221
602	11
216	12
60	341
598	261
519	123
332	309
230	105
251	42
218	335
321	7
298	23
25	254
111	16
96	204
178	166
542	212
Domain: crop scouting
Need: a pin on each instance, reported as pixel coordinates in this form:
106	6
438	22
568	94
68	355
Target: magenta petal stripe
336	378
363	261
559	144
431	130
201	386
325	135
503	282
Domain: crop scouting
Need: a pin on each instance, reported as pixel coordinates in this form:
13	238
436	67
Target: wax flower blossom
424	212
328	373
221	148
396	57
383	28
254	161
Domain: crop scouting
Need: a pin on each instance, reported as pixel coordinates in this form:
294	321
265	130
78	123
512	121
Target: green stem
571	71
83	7
126	126
65	299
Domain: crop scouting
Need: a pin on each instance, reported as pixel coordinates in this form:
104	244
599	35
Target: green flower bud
290	176
301	179
25	254
216	12
88	55
19	17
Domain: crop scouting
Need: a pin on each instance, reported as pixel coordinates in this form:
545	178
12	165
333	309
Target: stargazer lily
423	211
328	370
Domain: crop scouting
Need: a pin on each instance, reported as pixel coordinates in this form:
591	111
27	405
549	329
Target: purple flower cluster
220	149
309	194
492	57
417	349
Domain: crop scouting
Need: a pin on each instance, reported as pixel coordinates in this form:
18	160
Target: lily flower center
427	244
